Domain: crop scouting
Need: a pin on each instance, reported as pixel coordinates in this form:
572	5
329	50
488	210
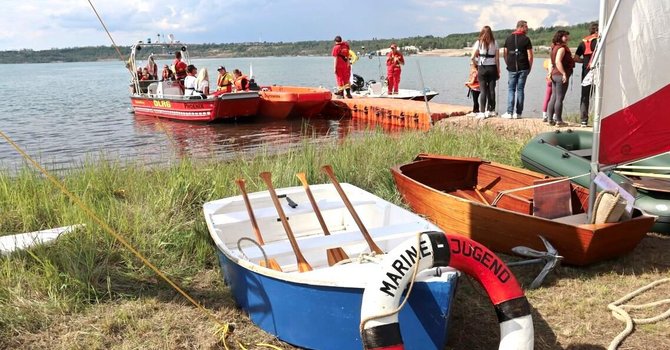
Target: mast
598	63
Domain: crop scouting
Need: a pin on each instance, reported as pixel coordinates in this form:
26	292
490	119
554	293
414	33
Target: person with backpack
342	67
485	56
518	54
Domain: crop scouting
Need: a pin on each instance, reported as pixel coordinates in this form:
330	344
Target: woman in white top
190	82
485	56
203	82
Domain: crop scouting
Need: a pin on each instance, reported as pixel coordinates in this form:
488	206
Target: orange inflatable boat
281	102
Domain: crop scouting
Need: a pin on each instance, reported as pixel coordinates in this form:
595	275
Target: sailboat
499	206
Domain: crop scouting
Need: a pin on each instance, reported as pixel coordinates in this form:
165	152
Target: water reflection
231	139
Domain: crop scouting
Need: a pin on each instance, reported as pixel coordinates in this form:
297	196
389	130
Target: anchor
550	258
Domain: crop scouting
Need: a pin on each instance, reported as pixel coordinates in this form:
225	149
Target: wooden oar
303	265
373	246
335	255
271	263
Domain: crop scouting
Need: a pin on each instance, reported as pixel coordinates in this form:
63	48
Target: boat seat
552	199
584	153
335	239
271	212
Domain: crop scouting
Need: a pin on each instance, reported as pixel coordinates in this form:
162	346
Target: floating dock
392	112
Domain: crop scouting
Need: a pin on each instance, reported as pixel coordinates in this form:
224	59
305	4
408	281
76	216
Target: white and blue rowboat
321	308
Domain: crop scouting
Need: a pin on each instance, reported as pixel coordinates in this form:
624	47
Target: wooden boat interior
498	185
387	224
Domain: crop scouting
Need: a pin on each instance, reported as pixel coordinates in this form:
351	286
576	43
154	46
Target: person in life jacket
225	80
342	67
584	55
473	89
191	82
241	81
394	61
179	66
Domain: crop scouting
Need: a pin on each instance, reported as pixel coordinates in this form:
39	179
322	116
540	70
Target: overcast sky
45	24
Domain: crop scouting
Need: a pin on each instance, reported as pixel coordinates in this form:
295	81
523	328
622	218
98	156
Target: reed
158	210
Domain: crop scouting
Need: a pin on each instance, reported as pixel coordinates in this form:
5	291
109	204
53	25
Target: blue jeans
516	84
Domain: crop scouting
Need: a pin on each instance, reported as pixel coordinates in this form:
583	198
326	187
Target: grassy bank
87	291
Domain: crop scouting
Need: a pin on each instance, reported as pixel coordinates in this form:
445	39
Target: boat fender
379	323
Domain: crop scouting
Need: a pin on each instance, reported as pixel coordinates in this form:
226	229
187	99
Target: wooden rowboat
321	307
494	204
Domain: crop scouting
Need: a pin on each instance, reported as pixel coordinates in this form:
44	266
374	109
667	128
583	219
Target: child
473	89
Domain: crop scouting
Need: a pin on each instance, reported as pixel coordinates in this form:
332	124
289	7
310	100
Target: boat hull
280	102
568	154
403	94
322	317
321	308
225	106
511	223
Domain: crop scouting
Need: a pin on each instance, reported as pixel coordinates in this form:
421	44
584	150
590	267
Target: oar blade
336	255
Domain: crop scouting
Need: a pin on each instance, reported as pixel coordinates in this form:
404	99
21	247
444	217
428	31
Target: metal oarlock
550	258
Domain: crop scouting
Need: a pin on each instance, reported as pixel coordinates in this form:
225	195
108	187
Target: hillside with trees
540	37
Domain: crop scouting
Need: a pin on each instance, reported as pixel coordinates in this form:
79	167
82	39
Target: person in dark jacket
518	54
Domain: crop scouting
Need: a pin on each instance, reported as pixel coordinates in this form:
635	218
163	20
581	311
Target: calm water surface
65	113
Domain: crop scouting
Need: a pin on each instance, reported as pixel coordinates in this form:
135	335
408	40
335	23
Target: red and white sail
634	80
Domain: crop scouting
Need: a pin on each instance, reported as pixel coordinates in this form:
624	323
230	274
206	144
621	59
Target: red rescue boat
164	97
279	102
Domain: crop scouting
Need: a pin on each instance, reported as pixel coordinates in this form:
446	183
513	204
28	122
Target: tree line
540	37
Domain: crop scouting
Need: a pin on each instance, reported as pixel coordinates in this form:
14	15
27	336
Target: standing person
224	82
202	82
485	55
473	89
342	67
179	66
563	64
547	91
152	67
190	82
583	55
518	54
394	61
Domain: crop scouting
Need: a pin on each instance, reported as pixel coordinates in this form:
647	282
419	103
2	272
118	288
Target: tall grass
158	210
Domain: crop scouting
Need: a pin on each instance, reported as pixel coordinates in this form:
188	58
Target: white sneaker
481	116
507	116
493	114
516	116
471	114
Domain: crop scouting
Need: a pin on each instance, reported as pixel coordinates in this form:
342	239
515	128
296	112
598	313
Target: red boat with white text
165	98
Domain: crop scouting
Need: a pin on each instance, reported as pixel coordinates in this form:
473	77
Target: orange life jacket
239	83
587	43
473	81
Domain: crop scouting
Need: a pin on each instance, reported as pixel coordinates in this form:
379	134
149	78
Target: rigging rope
108	34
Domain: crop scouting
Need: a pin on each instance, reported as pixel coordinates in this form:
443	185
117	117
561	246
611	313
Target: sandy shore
446	52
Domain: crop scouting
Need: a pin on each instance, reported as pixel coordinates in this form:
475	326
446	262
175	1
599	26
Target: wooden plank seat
335	239
271	212
584	153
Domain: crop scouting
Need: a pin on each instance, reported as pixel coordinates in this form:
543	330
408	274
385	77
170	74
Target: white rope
619	312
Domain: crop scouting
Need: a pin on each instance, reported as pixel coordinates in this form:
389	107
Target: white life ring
440	249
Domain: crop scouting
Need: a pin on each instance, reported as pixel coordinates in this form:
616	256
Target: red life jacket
587	43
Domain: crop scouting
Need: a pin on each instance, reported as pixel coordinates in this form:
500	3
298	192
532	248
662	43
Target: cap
221	67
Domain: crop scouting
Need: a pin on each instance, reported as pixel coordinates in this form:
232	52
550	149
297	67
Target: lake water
65	113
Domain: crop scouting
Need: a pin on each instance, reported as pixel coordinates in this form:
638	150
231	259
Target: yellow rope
111	231
105	27
619	312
